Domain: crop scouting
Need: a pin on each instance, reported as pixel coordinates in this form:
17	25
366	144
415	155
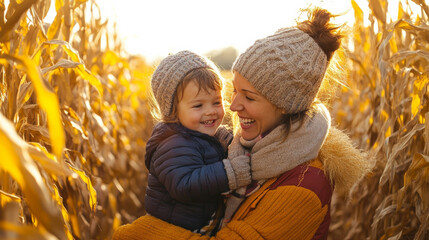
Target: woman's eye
249	98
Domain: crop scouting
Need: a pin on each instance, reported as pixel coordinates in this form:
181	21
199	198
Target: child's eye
197	106
217	103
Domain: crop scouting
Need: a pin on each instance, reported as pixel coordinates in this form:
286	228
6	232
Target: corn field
73	124
386	112
74	120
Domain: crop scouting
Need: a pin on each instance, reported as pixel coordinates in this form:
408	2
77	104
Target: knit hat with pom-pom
287	68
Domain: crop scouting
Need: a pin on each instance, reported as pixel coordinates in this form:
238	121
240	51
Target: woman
296	157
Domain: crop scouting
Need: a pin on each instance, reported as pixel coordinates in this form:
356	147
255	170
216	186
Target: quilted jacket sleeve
179	166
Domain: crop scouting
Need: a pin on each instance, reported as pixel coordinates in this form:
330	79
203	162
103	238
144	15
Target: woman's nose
236	105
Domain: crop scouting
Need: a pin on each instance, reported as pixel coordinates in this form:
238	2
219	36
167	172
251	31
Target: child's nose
211	111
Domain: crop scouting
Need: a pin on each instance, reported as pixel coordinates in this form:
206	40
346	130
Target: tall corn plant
72	123
386	110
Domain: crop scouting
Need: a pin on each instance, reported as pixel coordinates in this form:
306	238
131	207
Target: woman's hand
238	171
241	167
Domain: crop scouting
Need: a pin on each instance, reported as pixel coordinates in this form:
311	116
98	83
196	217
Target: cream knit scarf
273	155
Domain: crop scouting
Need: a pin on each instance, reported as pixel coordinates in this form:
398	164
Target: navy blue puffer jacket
186	175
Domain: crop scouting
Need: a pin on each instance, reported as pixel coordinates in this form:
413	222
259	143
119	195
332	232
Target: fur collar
344	164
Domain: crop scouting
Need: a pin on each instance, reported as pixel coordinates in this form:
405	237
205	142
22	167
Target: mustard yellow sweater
292	206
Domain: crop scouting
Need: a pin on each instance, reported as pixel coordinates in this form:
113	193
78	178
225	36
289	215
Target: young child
186	154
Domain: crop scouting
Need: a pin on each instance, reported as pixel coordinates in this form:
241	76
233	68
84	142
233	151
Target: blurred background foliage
74	121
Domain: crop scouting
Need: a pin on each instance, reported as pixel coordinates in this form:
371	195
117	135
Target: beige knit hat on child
170	73
287	68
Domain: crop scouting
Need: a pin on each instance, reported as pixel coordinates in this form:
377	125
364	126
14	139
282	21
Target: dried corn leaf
47	100
378	9
48	161
24	171
22	232
91	190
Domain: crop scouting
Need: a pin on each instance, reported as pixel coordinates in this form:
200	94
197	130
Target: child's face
200	111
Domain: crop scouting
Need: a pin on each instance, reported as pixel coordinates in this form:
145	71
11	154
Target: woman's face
257	115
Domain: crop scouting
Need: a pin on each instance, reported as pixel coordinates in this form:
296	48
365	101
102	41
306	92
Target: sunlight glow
156	28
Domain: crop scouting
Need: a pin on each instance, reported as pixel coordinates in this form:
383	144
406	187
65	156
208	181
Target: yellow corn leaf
89	77
7	197
63	63
59	4
2	8
24	93
40	131
74	125
393	46
358	12
59	200
415	104
377	9
47	161
47	100
12	20
78	2
420	83
80	69
110	58
135	103
418	171
23	28
22	232
426	132
43	8
24	171
388	132
91	190
400	10
55	27
403	142
406	25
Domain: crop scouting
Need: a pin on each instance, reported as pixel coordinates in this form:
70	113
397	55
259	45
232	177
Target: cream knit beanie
287	68
170	73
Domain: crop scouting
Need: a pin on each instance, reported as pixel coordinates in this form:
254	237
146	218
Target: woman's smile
246	122
256	114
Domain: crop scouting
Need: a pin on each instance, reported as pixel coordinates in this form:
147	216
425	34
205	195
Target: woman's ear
283	111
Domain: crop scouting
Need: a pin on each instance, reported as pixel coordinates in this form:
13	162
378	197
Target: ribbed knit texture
277	215
273	155
287	68
294	212
170	73
300	201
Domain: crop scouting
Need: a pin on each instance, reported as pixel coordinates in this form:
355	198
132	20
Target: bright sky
158	27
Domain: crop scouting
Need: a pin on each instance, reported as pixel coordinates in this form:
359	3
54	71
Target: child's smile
200	110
